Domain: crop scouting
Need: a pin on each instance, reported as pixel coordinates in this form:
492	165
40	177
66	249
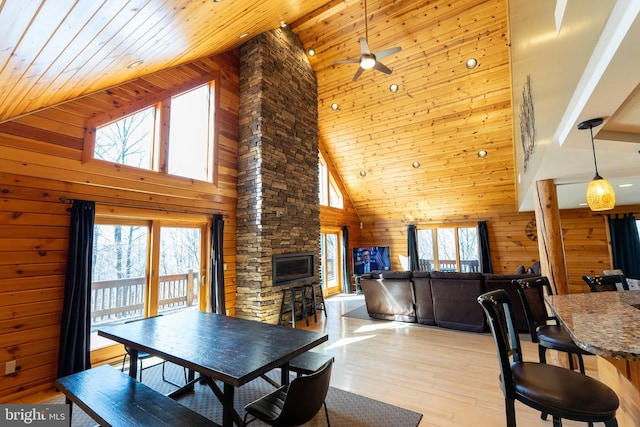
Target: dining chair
562	393
548	336
295	403
606	283
142	356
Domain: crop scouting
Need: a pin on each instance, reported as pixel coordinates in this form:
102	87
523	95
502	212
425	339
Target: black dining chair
547	336
607	283
143	356
562	393
295	403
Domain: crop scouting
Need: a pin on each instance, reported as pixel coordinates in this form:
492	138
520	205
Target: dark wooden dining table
223	348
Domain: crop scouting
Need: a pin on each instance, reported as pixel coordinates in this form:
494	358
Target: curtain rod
64	199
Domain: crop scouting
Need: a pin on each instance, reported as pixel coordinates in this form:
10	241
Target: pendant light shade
600	194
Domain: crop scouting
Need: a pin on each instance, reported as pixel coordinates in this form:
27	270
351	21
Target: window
329	192
122	288
448	249
140	139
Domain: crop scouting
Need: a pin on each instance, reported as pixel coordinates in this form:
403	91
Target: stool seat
288	305
308	362
315	300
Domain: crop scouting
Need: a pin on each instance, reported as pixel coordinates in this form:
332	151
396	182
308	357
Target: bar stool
313	299
288	305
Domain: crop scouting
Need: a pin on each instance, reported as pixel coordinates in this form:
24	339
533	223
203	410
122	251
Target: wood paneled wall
40	160
584	236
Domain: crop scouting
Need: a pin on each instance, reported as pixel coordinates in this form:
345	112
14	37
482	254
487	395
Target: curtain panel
412	248
625	244
485	253
75	326
346	261
216	278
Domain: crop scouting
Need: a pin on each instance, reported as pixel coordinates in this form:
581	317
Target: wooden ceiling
442	115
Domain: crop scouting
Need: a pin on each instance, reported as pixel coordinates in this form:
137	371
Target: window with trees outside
137	140
329	192
144	268
448	248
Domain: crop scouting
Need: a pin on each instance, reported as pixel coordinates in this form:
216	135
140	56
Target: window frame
161	102
326	183
456	228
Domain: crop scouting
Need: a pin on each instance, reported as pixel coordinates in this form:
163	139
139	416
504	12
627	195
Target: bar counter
607	324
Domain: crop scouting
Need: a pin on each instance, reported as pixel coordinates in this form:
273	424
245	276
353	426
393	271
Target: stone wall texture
278	210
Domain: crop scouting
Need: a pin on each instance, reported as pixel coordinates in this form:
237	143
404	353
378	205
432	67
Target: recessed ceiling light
393	88
311	51
363	173
283	24
482	154
415	165
335	107
625	185
243	35
135	64
471	63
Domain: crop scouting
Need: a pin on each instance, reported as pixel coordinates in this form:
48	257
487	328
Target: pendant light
600	194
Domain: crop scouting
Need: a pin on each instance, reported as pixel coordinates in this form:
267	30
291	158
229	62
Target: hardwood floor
451	377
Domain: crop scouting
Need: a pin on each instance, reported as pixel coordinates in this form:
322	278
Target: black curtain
217	266
485	253
75	327
412	248
625	244
346	261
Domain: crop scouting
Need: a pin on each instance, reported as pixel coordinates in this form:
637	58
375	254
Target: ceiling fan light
367	62
600	195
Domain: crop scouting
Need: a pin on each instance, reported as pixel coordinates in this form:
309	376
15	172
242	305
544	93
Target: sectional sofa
445	299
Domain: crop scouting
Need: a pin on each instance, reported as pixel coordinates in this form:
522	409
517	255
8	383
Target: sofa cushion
424	299
395	274
389	299
455	300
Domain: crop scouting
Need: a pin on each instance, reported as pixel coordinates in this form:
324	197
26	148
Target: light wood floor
451	377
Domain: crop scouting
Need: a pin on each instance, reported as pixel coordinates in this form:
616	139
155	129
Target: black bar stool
316	300
288	305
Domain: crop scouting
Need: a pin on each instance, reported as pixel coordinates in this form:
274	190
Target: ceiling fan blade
347	61
364	46
381	67
357	74
387	52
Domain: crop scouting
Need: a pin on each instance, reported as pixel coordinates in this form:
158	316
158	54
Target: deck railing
113	301
449	265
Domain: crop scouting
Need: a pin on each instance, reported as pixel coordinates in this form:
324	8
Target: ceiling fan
367	59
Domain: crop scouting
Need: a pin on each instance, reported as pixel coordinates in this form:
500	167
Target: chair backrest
497	307
305	397
532	291
606	283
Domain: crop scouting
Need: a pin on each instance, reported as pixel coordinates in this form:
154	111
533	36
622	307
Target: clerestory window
176	135
328	192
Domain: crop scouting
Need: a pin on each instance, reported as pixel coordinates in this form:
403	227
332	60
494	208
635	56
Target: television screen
366	260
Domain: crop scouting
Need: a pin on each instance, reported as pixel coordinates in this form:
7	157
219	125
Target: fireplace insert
292	267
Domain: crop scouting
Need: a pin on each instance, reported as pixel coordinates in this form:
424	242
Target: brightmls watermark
54	415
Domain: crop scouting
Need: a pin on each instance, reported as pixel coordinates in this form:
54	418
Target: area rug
346	409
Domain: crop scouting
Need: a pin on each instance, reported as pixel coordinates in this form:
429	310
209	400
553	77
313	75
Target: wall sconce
600	194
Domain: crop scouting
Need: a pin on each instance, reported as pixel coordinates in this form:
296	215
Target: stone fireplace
278	211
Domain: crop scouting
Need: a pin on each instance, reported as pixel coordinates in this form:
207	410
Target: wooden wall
584	235
40	162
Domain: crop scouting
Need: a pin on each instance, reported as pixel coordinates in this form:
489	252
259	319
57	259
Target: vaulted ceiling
442	115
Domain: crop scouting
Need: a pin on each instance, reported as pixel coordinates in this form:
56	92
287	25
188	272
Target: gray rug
345	409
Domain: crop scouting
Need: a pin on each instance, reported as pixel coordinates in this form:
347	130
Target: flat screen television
377	257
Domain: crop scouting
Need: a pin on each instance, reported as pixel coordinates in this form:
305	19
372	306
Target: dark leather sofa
445	299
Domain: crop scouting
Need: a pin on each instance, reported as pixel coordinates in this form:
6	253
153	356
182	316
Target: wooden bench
115	399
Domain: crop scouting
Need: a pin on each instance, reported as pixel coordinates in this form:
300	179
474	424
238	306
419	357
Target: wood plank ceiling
441	117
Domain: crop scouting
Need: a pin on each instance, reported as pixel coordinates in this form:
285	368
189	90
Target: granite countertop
603	323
